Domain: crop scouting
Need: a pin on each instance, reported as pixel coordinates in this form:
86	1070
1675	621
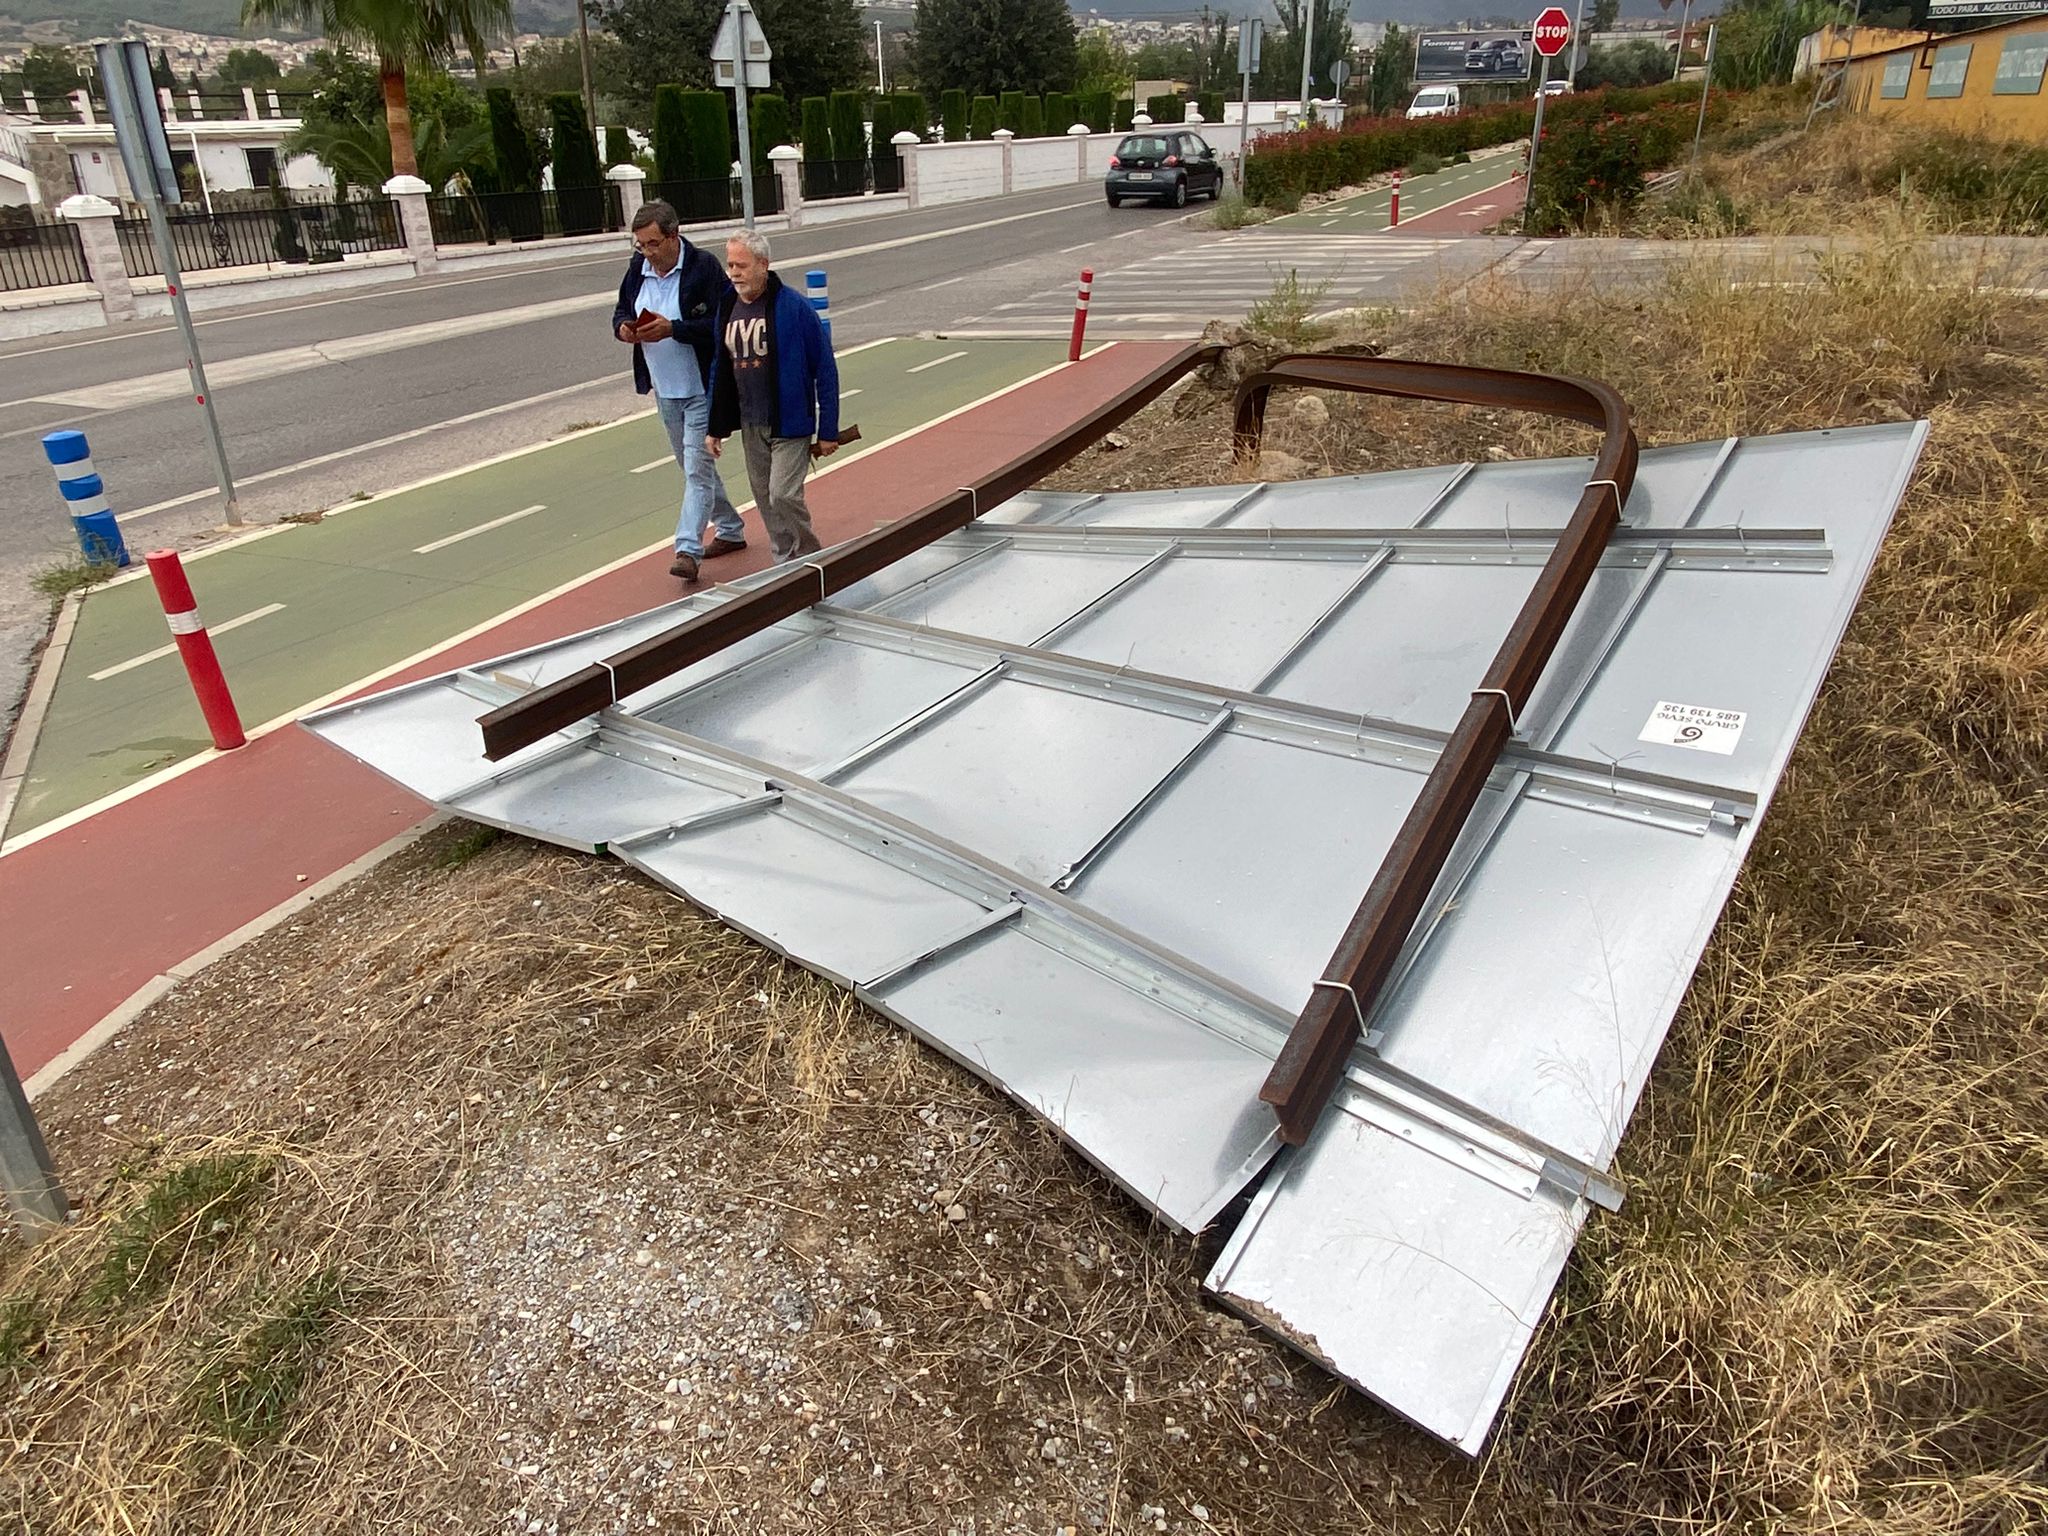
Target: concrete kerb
157	988
28	725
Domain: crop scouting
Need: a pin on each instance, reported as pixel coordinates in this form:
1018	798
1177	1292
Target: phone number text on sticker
1695	726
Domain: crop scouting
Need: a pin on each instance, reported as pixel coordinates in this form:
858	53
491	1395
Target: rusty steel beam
1312	1061
797	586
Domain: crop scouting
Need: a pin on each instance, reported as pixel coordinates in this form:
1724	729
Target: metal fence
889	173
485	218
39	253
835	178
289	233
716	200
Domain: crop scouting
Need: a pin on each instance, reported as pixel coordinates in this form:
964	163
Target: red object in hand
1171	160
195	648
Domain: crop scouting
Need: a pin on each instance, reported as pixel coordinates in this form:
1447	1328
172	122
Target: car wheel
1114	200
1178	197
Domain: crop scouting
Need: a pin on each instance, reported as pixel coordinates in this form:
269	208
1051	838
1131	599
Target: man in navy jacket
668	302
774	382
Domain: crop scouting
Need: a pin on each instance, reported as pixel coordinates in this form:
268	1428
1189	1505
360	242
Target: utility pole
1571	63
881	85
589	95
1308	50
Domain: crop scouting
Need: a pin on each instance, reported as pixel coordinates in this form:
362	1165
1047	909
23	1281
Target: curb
35	705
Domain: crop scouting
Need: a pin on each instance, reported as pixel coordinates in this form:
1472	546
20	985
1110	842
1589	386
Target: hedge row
1588	164
1284	167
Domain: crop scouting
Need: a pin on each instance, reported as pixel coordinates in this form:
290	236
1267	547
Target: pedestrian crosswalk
1177	292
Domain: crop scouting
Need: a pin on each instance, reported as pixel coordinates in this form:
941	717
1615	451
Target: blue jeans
704	497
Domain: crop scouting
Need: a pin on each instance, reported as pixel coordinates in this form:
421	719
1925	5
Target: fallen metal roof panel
1082	797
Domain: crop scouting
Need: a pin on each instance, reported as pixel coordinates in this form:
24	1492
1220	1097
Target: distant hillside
221	18
88	18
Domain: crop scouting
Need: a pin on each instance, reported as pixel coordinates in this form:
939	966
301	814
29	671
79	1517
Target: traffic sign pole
1552	31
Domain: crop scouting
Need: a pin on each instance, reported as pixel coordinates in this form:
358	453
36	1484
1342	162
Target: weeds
1287	314
250	1384
185	1210
67	576
1233	212
466	847
1426	164
24	1331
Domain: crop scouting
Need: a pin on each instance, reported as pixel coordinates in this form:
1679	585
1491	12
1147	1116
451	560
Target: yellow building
1988	81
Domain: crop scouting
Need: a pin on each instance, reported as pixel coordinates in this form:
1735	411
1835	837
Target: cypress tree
1120	116
671	134
953	115
768	120
887	174
579	179
849	137
1166	109
618	148
1060	114
912	115
982	120
1010	112
1034	119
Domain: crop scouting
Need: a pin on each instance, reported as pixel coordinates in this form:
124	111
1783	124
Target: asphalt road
322	399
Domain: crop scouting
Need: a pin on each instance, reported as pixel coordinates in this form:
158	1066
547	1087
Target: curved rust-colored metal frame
1312	1062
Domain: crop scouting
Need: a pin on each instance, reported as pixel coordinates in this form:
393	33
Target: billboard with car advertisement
1447	56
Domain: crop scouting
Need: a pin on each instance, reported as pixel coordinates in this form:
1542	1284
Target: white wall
99	173
955	173
1042	163
15	182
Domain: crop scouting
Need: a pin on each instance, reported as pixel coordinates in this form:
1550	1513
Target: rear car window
1142	147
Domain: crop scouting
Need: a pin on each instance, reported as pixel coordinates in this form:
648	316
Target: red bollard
1394	208
1080	315
195	648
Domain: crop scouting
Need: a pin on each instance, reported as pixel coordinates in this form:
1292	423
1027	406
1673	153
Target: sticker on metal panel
1695	726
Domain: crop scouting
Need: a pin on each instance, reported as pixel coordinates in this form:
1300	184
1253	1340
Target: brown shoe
685	567
721	545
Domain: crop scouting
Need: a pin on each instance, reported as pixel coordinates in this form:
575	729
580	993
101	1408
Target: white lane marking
848	394
170	650
470	533
641	469
171	383
383	442
1067	250
949	357
178	770
945	283
407	436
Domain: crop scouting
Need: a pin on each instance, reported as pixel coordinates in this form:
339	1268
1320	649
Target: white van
1434	101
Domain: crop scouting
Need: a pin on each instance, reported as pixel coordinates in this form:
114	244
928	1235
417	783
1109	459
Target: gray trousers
776	467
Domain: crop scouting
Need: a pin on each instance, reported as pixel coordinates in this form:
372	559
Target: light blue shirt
671	364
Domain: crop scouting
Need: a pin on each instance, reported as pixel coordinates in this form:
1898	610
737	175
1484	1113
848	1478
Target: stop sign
1553	31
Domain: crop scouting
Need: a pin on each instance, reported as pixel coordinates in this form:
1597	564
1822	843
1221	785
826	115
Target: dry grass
1850	174
1824	1309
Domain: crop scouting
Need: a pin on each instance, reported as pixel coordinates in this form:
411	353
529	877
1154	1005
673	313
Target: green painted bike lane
1367	211
366	586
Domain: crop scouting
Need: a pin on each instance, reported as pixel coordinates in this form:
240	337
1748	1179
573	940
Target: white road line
1068	250
383	442
949	357
169	650
641	469
848	394
470	533
945	282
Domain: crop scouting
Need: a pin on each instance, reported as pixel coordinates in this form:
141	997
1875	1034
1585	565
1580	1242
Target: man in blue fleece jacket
774	382
666	307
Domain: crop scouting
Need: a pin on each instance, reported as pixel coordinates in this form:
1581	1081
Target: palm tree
399	32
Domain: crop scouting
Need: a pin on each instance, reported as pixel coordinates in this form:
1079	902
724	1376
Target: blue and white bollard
814	290
85	498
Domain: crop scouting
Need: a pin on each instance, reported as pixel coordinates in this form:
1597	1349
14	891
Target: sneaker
721	545
685	567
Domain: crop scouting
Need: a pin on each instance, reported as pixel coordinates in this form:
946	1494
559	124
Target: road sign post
1250	35
1552	31
739	59
146	156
